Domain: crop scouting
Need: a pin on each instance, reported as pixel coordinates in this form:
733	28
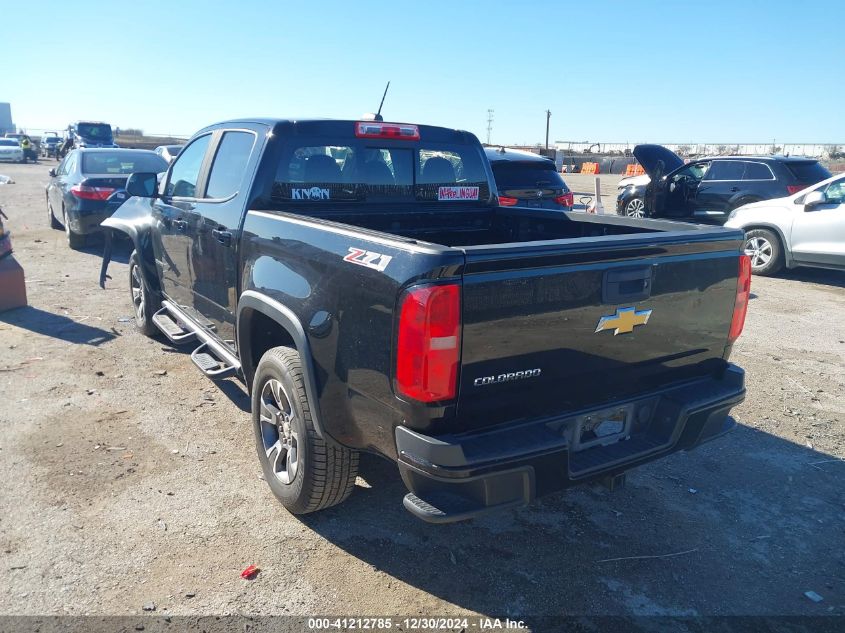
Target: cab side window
186	169
229	165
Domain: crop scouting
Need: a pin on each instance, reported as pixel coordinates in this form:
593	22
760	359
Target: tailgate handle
626	285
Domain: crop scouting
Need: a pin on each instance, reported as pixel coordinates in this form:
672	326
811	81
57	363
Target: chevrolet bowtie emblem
624	321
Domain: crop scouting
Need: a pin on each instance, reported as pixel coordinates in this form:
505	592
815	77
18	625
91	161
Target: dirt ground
129	479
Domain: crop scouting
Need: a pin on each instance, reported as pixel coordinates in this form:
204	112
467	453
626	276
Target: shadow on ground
56	326
742	526
835	278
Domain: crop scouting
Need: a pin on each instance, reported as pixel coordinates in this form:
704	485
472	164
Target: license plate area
602	428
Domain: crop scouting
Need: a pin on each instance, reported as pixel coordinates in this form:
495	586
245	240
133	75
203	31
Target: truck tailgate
560	326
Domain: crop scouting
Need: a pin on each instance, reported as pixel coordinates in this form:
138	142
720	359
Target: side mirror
142	184
814	199
52	172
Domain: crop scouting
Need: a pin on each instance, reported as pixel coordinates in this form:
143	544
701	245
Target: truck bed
487	227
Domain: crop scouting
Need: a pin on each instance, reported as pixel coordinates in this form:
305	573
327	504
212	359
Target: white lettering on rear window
457	193
312	193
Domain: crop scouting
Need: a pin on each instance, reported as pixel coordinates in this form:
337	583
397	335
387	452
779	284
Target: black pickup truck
362	280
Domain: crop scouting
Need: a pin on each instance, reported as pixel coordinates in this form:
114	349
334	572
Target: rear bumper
453	478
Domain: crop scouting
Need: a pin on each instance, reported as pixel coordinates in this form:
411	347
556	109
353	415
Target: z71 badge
370	259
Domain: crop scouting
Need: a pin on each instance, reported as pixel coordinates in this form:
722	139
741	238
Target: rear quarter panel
347	309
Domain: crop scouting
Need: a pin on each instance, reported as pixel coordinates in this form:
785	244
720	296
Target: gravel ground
131	479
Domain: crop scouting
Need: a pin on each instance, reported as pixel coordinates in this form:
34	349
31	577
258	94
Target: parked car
92	134
804	229
11	150
50	144
708	189
528	180
362	279
168	152
630	196
82	183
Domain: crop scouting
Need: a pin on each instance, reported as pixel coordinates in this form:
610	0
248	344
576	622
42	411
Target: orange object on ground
250	572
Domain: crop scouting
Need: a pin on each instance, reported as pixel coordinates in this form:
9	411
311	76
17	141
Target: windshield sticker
370	259
312	193
457	193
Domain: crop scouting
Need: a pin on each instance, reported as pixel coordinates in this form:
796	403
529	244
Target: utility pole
548	116
489	124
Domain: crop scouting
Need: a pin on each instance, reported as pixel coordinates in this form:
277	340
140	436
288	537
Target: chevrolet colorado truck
361	279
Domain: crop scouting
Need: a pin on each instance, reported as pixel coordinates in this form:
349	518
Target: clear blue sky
711	71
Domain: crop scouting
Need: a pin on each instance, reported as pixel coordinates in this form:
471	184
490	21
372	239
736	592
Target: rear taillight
84	192
428	345
376	129
504	201
743	291
793	189
566	200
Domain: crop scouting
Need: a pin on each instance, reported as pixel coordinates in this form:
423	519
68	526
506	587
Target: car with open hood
804	229
707	189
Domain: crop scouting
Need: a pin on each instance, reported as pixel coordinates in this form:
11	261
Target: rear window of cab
364	170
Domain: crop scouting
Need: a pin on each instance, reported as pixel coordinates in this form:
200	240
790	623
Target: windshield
98	131
528	174
360	170
122	162
8	142
174	150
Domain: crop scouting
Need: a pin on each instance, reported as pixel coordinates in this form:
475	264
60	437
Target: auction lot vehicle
50	144
708	189
528	180
630	196
168	152
10	150
92	134
804	229
82	183
362	279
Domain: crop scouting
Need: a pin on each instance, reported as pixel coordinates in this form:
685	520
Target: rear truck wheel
635	208
304	472
764	249
54	223
74	240
143	301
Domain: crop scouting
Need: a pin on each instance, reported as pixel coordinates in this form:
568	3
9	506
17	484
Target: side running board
212	358
208	363
170	328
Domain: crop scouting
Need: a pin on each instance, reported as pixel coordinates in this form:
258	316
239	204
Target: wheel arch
787	254
138	228
264	323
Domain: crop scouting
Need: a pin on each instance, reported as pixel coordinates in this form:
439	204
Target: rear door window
809	172
757	171
230	162
725	170
360	171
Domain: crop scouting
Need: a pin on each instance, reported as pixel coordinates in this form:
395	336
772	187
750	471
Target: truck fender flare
289	322
139	232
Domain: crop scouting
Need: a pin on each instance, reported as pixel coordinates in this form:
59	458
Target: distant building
6	124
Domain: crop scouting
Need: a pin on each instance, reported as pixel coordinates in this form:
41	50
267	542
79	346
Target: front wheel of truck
304	472
143	301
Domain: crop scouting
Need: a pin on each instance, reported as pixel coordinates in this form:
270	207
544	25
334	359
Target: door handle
734	189
222	236
180	225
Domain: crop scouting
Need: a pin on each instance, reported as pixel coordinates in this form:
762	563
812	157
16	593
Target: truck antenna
378	116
